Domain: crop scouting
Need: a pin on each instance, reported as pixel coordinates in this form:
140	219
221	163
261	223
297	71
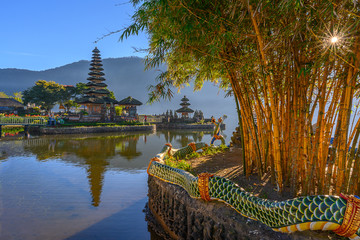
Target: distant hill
119	73
125	77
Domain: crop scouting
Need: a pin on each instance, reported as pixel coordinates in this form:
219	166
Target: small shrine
96	99
129	106
184	110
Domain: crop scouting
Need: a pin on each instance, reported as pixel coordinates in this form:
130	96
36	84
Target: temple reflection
94	153
128	147
183	137
102	152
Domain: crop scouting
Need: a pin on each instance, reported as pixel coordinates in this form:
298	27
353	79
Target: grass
211	150
184	165
192	155
181	164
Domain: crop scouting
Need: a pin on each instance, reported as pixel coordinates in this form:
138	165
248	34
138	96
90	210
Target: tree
44	94
111	94
17	96
289	63
80	89
3	95
69	104
119	110
66	94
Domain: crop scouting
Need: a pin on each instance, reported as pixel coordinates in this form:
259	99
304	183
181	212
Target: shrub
181	164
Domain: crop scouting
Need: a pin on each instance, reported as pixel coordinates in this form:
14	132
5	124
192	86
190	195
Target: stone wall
82	130
172	213
184	126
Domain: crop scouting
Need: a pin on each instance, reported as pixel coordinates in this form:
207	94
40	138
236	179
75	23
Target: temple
129	107
184	110
96	99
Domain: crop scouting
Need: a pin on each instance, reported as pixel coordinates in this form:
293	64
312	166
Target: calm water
80	187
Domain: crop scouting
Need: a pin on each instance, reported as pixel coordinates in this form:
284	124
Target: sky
43	34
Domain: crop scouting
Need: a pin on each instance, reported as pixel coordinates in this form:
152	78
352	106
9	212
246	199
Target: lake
80	187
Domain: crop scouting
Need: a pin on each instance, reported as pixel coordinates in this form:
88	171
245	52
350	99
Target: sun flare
334	39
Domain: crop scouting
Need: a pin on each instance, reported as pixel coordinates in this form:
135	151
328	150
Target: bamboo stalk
276	141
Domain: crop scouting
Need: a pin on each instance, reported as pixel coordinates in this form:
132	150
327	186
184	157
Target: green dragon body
303	213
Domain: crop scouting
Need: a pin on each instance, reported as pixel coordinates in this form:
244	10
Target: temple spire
185	110
96	96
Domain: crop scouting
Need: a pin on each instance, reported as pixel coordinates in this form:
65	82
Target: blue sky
43	34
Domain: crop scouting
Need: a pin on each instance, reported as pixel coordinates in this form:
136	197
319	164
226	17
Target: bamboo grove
293	67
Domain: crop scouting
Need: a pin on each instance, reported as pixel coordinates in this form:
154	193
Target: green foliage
80	88
211	150
278	58
181	164
3	95
10	130
66	94
16	95
191	37
44	94
83	112
70	93
192	155
118	110
111	94
69	104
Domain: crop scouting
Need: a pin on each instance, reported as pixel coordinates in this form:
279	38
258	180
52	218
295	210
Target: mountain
125	77
120	72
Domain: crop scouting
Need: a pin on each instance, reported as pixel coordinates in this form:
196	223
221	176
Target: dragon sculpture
322	212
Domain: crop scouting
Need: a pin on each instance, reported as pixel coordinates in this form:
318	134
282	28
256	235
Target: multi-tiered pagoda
96	98
185	110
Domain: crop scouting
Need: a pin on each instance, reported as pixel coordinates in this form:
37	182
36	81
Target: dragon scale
319	212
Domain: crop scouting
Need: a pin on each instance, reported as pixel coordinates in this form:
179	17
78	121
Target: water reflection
128	149
93	153
95	147
75	186
182	138
98	153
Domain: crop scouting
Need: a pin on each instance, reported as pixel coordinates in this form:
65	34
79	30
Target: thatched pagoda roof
98	91
184	99
184	110
96	64
130	101
96	73
93	84
96	68
96	78
96	100
10	102
185	104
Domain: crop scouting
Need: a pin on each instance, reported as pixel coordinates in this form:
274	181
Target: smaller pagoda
129	106
96	98
185	110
